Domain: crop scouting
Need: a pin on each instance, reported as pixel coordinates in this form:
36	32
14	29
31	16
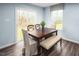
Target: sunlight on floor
19	34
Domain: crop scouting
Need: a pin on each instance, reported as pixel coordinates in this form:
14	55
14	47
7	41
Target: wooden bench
50	42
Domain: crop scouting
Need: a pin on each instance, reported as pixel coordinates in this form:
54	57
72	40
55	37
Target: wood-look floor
68	49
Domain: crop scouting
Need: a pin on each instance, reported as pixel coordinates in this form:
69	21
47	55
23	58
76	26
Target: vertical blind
24	18
56	15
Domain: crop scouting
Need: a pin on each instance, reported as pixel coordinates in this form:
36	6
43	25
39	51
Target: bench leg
23	51
42	51
61	44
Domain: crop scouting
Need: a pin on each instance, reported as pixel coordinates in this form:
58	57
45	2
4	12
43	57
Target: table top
40	34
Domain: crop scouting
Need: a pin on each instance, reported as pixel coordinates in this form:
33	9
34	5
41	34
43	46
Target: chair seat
51	41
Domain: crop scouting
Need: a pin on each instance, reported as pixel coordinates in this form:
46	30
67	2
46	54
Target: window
57	16
26	17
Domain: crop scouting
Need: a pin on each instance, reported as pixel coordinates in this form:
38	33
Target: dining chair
30	27
30	45
37	26
47	44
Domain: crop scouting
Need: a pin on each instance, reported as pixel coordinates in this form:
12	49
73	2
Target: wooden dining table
39	34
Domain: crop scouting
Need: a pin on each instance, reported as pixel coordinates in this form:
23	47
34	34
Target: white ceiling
44	4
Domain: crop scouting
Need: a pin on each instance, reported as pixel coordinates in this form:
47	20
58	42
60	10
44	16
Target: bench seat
49	42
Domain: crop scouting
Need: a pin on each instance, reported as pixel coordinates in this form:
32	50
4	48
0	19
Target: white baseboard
7	45
71	40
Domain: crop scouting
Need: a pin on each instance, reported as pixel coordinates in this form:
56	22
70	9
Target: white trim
7	45
71	40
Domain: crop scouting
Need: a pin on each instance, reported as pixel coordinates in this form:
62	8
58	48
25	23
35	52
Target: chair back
26	42
37	26
30	27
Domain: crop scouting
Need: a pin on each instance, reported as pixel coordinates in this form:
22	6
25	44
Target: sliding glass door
23	19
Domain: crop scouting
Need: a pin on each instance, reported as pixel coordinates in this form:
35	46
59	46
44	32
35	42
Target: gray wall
47	16
7	25
71	21
8	21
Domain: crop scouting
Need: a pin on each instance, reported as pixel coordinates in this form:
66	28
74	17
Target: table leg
38	47
61	44
56	32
